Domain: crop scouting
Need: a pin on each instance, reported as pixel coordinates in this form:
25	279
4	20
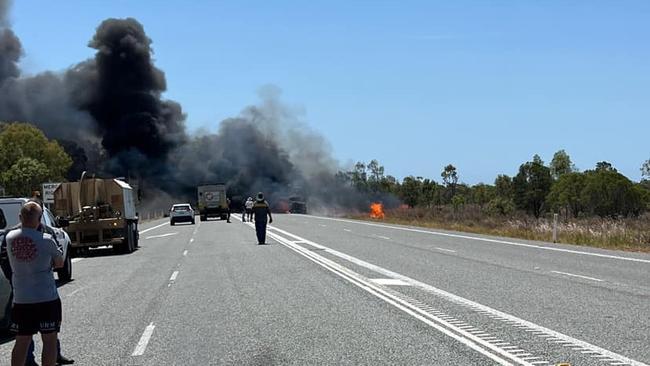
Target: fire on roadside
377	211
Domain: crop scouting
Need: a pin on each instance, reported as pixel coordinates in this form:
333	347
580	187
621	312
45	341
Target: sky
483	85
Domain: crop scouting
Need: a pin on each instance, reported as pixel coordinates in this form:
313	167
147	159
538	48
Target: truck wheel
223	217
203	218
65	273
136	236
171	222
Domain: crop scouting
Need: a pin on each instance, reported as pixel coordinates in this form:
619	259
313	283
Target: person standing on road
36	307
248	209
228	210
8	273
261	210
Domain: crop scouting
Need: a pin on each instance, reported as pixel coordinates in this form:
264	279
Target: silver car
181	212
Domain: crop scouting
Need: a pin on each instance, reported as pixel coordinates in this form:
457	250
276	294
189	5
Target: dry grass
632	234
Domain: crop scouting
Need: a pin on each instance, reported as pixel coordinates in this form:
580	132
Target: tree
411	190
561	164
24	177
482	194
608	193
28	158
531	186
566	194
604	166
503	186
450	179
645	170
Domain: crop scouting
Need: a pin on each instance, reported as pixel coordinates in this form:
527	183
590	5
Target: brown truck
98	212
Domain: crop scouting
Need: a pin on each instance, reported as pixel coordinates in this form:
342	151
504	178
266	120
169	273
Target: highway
336	291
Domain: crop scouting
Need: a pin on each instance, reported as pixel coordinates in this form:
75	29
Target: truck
98	212
212	201
297	205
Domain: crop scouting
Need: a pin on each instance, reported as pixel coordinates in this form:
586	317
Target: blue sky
484	85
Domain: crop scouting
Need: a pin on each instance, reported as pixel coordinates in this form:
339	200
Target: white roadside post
555	228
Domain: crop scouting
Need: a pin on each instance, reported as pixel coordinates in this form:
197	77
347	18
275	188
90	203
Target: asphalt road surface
331	291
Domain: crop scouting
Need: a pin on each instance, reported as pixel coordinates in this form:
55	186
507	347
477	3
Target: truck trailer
99	212
212	201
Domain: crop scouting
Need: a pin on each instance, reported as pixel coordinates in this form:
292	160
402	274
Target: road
333	291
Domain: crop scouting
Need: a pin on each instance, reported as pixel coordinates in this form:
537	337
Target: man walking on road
36	305
260	210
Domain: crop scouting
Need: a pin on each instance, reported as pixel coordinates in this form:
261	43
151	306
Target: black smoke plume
109	115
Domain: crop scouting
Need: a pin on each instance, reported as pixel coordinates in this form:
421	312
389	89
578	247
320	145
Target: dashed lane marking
446	250
578	276
152	228
160	236
144	340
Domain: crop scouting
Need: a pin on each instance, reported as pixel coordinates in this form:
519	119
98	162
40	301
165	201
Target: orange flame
377	211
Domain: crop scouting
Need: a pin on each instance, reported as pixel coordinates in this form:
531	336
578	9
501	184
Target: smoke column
109	115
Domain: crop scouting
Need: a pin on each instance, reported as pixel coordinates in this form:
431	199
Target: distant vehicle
9	210
297	205
182	212
212	201
100	212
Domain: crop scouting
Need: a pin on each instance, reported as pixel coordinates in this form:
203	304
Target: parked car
181	212
9	210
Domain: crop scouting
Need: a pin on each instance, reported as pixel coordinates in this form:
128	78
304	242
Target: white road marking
446	250
348	230
184	253
160	236
144	340
75	291
382	237
477	307
192	240
173	277
579	276
152	228
437	323
608	256
75	260
389	282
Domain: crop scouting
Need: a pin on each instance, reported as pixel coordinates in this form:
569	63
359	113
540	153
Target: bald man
37	307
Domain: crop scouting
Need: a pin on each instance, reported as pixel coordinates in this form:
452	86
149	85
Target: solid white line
609	256
144	340
580	276
389	282
382	237
173	277
184	253
446	250
398	303
152	228
466	302
160	236
75	260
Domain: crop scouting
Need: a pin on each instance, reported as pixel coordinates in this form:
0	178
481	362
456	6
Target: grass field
632	234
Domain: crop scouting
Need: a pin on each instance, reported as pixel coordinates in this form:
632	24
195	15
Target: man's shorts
43	317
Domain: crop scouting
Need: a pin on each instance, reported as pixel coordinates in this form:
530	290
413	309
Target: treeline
28	159
536	189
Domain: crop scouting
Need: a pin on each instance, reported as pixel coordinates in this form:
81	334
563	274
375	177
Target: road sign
48	192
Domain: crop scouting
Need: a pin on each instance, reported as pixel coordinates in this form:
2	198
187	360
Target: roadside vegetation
596	207
28	159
